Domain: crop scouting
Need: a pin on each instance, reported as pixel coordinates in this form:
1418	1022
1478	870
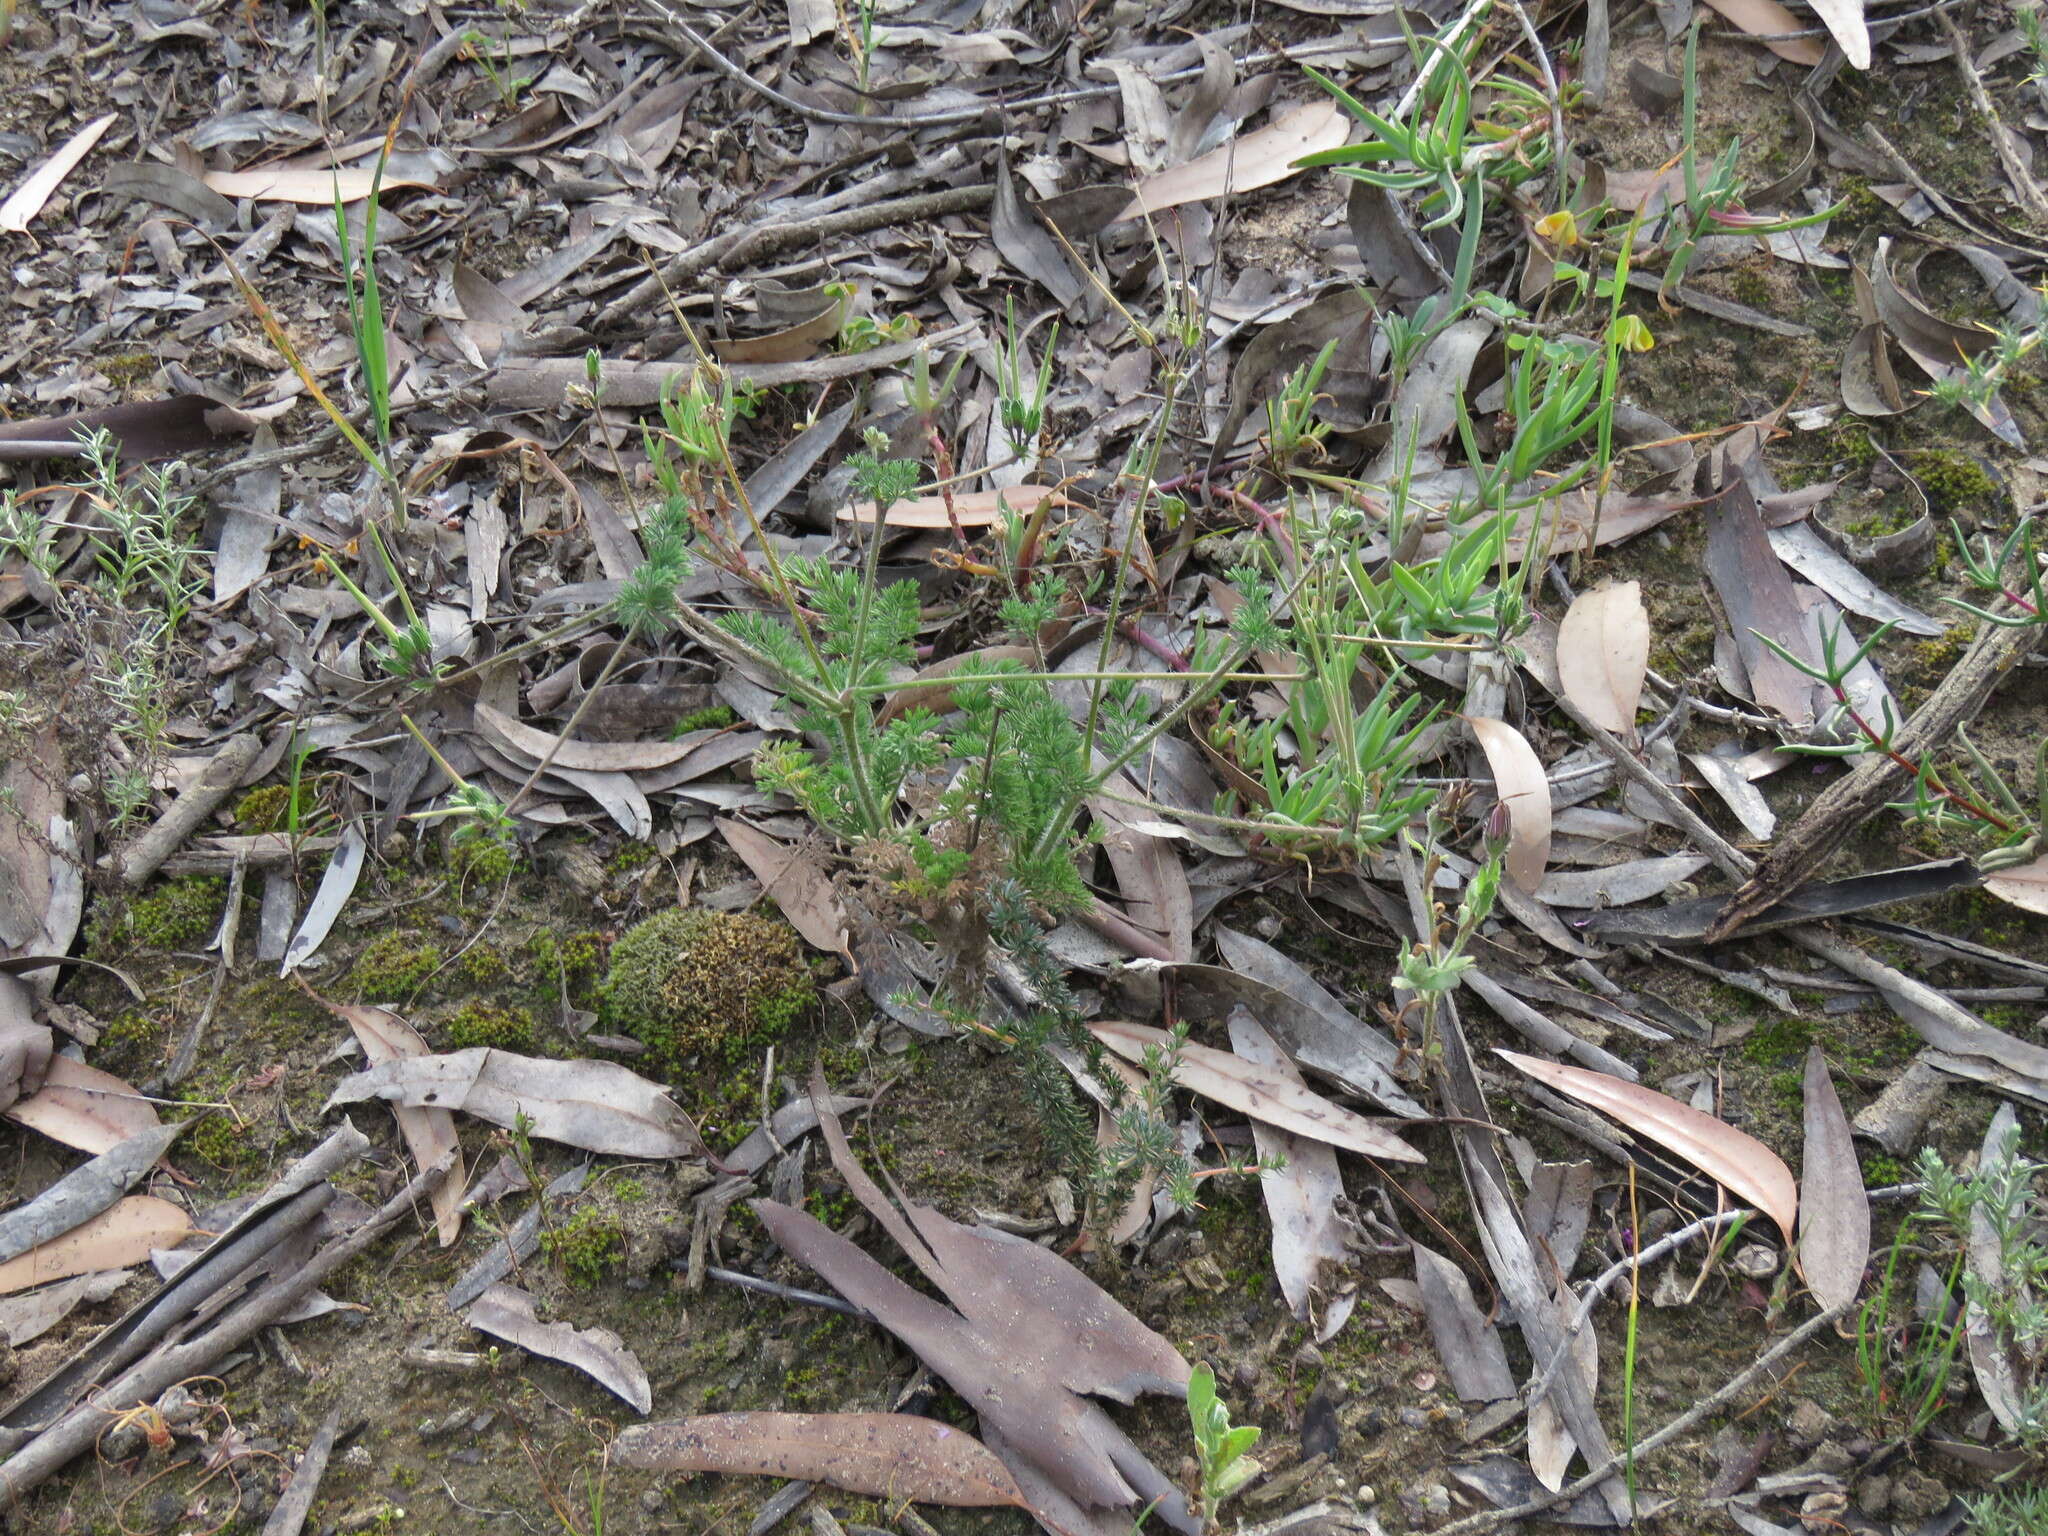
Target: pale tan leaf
1844	19
85	1108
429	1133
1603	650
2024	885
975	509
882	1455
1520	784
789	874
1834	1209
119	1236
20	209
304	184
1254	160
583	756
1223	1077
1748	1167
1767	18
506	1312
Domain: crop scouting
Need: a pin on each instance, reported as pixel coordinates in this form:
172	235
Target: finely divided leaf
1748	1167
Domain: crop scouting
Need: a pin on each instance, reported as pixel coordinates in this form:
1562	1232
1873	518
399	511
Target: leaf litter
434	662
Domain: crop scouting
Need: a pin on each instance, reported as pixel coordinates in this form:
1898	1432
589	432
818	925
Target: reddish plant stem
1963	803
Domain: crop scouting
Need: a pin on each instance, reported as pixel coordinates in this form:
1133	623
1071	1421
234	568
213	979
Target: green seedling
1223	1450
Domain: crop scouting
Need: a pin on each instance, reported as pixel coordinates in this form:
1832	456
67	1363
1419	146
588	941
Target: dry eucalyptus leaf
1834	1210
1220	1076
1520	784
122	1235
1748	1167
1603	650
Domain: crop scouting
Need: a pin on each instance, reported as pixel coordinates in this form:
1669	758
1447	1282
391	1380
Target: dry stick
74	1434
141	858
758	240
2011	155
1492	1519
1850	801
289	1517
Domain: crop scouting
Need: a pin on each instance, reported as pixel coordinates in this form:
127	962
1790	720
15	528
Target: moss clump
264	810
585	1246
712	717
181	913
393	966
502	1029
487	860
221	1141
482	964
629	858
1777	1041
687	982
1953	480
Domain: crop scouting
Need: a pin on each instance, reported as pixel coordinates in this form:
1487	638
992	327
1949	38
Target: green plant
2009	1511
1022	414
1222	1450
1904	1361
1994	1216
479	50
1951	797
586	1246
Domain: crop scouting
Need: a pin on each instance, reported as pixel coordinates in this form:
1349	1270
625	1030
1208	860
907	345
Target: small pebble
1413	1418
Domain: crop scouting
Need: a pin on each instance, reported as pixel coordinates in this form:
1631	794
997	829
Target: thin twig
1614	1272
2011	156
1493	1519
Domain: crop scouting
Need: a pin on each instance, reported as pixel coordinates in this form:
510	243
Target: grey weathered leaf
507	1312
596	1105
337	884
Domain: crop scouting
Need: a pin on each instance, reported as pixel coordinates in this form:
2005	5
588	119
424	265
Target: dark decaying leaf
1467	1343
143	430
1757	596
1027	244
1834	1211
1027	1301
1070	1439
883	1455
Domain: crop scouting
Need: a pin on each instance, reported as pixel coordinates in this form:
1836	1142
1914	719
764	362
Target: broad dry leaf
1220	1076
585	756
1767	18
429	1133
1254	160
1521	785
85	1108
1603	650
789	874
1303	1197
1844	20
1748	1167
974	509
2024	885
302	184
20	209
122	1235
883	1455
596	1105
1834	1209
506	1312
